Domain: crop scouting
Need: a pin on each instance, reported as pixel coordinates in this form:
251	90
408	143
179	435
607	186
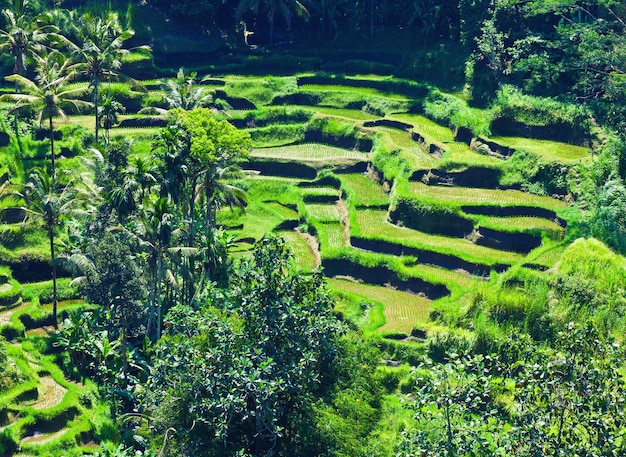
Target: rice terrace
276	228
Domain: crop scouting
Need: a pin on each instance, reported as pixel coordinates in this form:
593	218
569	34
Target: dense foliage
202	347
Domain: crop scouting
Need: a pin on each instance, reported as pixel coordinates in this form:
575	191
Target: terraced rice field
524	224
402	310
303	254
372	223
364	191
551	151
308	151
462	196
324	213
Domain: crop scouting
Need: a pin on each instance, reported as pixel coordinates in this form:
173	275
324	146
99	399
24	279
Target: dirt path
344	219
314	247
5	315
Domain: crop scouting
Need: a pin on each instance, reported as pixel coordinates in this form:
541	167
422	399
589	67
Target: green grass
308	151
345	113
363	191
363	91
303	256
524	225
402	310
331	236
459	196
324	212
551	151
430	130
415	154
372	223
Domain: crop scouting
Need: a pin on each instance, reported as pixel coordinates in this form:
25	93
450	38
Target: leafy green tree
197	151
113	282
527	401
231	375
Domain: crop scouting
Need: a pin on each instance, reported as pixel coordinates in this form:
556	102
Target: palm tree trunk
95	102
54	276
53	169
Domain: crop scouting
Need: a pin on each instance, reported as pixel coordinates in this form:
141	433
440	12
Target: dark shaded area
429	218
151	121
280	168
5	139
234	102
512	211
562	132
505	241
388	123
473	176
363	144
382	276
320	198
437	259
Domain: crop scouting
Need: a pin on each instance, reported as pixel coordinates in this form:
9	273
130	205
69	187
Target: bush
11	296
455	113
517	114
429	217
130	99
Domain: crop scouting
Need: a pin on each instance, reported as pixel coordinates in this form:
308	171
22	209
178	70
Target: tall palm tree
25	34
99	56
284	8
48	95
43	202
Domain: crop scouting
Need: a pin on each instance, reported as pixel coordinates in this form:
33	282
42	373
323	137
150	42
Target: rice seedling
363	191
459	196
331	236
324	212
303	256
551	151
372	223
525	224
402	310
352	114
308	151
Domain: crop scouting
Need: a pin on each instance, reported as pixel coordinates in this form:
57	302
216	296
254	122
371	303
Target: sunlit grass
402	310
365	91
356	115
307	151
523	224
363	190
551	151
429	129
303	256
458	196
324	212
372	223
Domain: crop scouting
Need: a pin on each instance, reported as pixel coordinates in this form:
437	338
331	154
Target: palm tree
99	57
285	8
181	92
109	111
44	203
25	35
48	96
328	11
